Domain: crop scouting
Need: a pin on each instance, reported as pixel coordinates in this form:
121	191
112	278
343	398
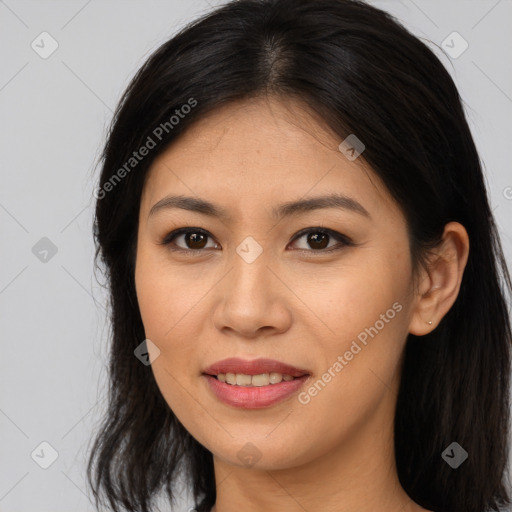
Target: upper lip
253	367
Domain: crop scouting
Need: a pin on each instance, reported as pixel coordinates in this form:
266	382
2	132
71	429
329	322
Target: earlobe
441	283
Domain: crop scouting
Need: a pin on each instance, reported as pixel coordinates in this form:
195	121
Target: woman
304	270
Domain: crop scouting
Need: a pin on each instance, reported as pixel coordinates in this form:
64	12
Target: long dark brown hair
361	72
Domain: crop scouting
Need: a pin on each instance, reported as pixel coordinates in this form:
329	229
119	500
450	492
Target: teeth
243	380
263	379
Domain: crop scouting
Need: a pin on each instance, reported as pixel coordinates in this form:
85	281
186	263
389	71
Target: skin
304	308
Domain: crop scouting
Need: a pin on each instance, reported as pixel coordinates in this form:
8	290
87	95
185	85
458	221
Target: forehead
258	153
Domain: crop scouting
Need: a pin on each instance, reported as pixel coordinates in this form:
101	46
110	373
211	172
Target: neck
359	475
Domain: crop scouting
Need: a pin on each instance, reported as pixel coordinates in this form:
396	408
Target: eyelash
343	239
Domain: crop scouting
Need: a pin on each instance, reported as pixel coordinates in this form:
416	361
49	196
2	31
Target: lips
254	367
220	380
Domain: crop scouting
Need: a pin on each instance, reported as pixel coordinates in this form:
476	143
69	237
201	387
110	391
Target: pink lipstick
253	384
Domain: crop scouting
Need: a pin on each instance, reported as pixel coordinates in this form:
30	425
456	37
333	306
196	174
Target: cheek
174	306
349	299
165	311
167	295
361	320
169	307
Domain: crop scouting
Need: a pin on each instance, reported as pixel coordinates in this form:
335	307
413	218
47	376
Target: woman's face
252	287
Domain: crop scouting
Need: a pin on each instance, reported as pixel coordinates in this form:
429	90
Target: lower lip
254	397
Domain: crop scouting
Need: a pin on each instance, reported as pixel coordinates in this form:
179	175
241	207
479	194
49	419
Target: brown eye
194	239
318	239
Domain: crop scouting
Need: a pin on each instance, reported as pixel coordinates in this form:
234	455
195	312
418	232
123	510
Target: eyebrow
284	210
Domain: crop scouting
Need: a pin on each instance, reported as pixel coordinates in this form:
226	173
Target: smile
253	384
263	379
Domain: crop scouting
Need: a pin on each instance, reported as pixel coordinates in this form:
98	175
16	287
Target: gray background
54	114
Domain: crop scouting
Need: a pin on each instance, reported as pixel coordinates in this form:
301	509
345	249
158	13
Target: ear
440	282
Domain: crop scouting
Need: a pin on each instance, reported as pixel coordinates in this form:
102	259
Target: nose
252	300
